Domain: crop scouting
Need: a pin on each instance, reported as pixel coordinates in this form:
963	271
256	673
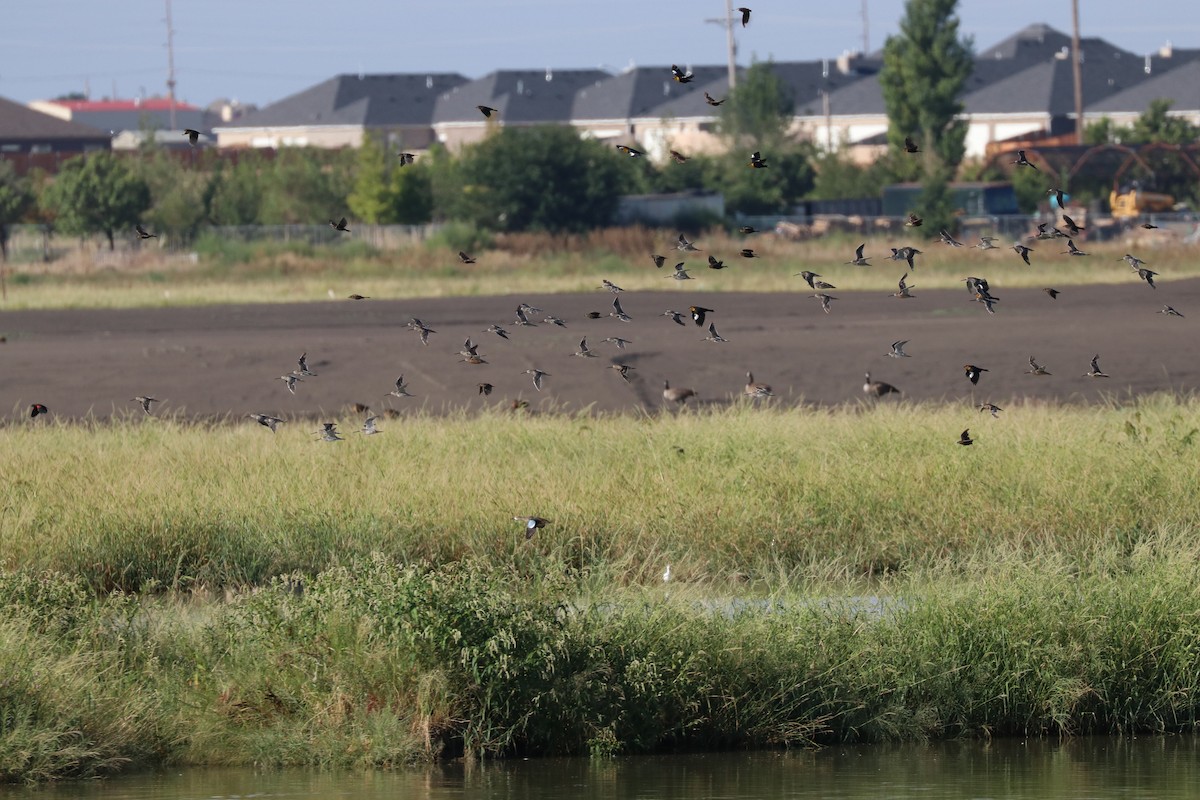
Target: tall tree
759	110
97	193
16	197
925	68
539	178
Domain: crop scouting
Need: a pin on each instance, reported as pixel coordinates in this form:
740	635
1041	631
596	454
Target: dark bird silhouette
1058	195
681	76
964	438
340	225
487	111
37	408
1022	251
698	313
1073	250
1148	226
913	221
757	161
193	136
630	151
712	101
1071	226
1022	161
973	372
658	260
745	12
485	389
677	156
406	158
144	402
910	146
747	252
1170	312
1148	276
747	229
1054	293
464	258
357	297
143	233
713	263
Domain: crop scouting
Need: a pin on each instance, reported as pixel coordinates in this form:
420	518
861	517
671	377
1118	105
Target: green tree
539	178
16	198
306	186
235	194
925	69
178	196
387	192
837	177
97	193
759	110
1157	125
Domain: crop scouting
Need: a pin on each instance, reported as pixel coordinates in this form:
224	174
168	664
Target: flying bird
1036	368
487	111
757	161
290	379
859	260
973	373
37	408
1022	161
1170	312
1054	293
825	299
897	350
713	336
910	146
681	76
532	524
302	362
610	286
630	151
677	156
712	101
406	158
745	12
144	401
464	258
619	312
1148	276
538	375
964	438
485	389
713	263
698	313
913	221
1022	251
747	230
266	420
1073	250
143	233
622	370
658	260
1071	226
193	136
991	407
340	225
401	389
368	427
1095	371
748	253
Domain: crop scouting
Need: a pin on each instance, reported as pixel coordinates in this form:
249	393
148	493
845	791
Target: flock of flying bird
525	314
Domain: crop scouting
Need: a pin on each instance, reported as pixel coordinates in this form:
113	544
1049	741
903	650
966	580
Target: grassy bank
844	575
233	272
377	664
729	495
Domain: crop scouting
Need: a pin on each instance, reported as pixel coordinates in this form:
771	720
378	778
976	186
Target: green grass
185	593
745	492
235	272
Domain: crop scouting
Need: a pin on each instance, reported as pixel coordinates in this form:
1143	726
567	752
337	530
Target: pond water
1161	768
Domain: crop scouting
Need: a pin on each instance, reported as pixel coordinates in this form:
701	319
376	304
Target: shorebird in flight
143	233
302	362
290	379
401	389
685	246
1036	368
1022	251
1095	371
619	312
945	238
680	274
904	288
991	407
713	336
897	350
622	370
618	341
583	350
1170	312
824	298
859	260
145	402
329	432
1072	249
266	420
538	375
368	426
1022	161
676	316
1148	276
485	389
986	243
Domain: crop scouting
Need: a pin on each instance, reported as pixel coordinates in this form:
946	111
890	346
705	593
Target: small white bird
667	574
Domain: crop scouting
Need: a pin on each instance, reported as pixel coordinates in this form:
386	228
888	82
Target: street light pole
730	44
1077	71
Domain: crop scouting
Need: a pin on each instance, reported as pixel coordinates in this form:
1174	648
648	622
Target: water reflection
1159	768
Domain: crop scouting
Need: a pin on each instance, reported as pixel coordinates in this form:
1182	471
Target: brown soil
221	360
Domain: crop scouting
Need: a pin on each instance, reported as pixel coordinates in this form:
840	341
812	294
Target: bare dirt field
218	360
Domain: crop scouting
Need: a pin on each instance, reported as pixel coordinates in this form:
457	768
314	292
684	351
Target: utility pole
866	30
730	44
171	65
1077	71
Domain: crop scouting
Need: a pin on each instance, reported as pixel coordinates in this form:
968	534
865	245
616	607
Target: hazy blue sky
262	50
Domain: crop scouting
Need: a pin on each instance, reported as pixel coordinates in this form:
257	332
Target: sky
259	51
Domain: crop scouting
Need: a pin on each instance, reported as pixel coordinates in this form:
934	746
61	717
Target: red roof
149	104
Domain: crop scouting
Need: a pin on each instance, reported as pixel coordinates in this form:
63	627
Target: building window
40	148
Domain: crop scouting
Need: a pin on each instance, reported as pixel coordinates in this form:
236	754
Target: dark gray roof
1048	87
21	123
646	92
863	96
1181	85
1036	42
521	96
808	79
137	120
366	100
